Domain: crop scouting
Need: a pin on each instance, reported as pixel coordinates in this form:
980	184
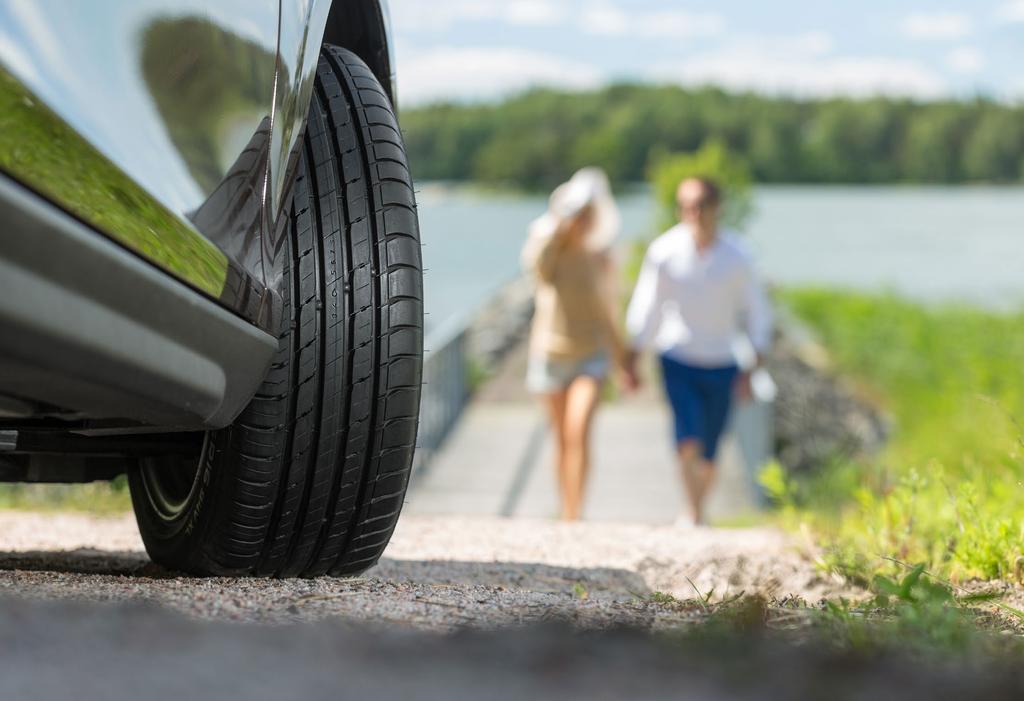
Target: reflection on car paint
302	25
223	136
46	154
186	63
232	216
196	105
169	94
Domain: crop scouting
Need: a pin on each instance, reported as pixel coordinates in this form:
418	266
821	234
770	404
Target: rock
818	418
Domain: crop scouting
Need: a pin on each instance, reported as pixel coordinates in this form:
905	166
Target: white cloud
605	18
806	45
1012	11
813	43
937	26
480	73
965	60
744	69
534	13
802	65
417	16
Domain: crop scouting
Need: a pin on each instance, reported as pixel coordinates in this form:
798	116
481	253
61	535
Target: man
697	295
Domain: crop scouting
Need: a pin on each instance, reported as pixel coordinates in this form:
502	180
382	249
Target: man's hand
744	392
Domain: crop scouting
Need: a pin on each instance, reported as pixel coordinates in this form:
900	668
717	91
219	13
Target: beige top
572	310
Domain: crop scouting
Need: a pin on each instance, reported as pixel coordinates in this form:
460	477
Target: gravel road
438	573
458	609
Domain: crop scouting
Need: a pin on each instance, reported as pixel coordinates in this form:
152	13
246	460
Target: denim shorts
546	375
700	399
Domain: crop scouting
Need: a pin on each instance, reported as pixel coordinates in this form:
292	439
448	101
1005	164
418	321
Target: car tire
311	477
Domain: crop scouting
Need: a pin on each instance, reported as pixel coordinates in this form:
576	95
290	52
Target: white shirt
695	307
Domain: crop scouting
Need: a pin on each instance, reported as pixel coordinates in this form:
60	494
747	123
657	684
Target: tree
934	141
993	149
714	161
538	138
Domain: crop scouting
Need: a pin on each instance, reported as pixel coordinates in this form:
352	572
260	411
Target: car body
153	252
88	81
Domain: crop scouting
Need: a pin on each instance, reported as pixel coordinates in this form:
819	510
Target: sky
473	50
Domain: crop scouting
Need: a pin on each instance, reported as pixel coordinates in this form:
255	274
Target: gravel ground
438	574
85	615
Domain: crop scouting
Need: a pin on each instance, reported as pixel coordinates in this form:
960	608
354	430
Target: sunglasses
697	205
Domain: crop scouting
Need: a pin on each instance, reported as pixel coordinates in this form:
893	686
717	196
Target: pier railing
445	387
477	338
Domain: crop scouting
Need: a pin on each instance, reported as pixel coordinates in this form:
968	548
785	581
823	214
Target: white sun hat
587	187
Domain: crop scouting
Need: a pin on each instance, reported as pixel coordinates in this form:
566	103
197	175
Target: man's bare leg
707	477
696	477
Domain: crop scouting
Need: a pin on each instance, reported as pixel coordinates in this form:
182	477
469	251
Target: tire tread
301	489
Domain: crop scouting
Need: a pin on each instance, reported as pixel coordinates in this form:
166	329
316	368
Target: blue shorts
700	399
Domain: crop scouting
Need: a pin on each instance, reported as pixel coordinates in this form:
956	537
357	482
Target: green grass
911	613
948	490
99	498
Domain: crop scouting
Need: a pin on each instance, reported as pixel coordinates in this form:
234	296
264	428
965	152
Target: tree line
537	139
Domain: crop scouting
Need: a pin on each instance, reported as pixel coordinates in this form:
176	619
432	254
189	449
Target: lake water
929	243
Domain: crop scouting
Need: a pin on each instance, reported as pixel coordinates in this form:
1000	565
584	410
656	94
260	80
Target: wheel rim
171	481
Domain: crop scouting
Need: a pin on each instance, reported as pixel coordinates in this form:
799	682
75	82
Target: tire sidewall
181	539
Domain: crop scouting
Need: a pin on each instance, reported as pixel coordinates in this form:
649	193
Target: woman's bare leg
583	397
556	402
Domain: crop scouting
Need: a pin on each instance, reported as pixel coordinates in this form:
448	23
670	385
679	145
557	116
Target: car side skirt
91	330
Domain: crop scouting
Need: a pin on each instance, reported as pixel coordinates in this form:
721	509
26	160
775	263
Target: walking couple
696	295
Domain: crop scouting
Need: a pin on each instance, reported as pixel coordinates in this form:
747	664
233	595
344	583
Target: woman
575	335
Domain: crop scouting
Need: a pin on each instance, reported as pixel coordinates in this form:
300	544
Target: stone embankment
819	416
